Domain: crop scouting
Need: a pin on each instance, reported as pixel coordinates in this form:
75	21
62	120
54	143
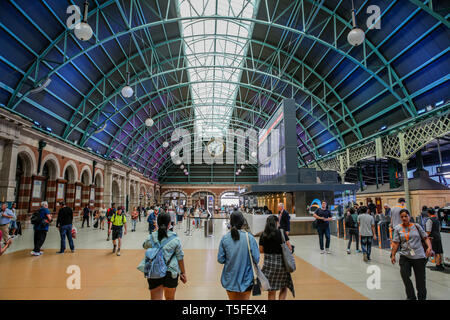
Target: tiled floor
104	276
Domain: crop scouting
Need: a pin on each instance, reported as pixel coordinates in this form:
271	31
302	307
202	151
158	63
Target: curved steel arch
251	20
301	63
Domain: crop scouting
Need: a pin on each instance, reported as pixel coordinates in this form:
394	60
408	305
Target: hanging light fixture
356	36
165	144
237	173
83	30
242	167
253	154
185	170
182	167
178	162
172	153
127	91
149	122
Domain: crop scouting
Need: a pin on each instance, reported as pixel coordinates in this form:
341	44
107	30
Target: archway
24	171
48	187
229	198
200	198
174	197
98	182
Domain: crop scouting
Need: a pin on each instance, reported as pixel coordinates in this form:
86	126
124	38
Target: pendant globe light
149	122
165	144
83	30
127	91
356	36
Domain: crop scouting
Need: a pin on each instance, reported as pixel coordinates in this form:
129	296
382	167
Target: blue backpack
155	267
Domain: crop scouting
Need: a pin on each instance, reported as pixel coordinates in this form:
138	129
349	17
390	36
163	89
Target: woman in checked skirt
273	267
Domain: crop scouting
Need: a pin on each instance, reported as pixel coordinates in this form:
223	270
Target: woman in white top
102	216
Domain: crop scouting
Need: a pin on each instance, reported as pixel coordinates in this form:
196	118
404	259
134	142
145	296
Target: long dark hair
270	231
163	221
236	222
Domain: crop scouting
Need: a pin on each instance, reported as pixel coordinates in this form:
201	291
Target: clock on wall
215	147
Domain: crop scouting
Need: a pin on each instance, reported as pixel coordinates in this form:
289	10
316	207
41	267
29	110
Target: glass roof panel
214	51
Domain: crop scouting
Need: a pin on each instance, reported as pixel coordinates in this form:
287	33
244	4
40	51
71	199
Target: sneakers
59	252
107	239
114	249
328	251
36	254
118	252
73	251
365	257
358	251
322	251
348	251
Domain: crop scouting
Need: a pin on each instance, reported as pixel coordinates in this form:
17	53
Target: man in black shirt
64	224
86	213
284	218
323	216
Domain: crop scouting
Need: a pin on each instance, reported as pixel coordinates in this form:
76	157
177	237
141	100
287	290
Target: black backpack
36	218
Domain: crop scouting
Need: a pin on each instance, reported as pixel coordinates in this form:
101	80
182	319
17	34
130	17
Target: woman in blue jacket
237	274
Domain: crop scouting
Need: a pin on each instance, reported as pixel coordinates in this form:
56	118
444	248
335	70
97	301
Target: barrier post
379	236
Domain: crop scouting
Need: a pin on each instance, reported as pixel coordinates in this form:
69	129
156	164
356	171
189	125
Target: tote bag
258	274
288	257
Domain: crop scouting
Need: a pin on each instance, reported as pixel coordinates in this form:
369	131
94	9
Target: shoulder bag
288	257
424	243
260	281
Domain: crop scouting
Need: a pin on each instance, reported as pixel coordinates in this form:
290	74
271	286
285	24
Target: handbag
260	281
288	257
424	244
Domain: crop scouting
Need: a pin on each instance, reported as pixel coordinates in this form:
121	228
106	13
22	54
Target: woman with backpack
351	224
234	254
172	254
408	237
273	267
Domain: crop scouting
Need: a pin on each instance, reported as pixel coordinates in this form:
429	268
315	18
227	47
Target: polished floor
106	276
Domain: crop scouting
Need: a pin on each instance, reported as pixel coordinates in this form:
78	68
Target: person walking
351	224
134	219
102	216
171	248
408	238
118	221
173	217
237	274
273	267
152	219
180	215
6	216
139	210
284	218
197	216
13	223
433	229
323	217
6	246
64	224
86	215
395	213
41	229
111	211
366	225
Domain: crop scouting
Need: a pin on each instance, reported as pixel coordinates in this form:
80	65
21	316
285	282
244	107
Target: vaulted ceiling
210	65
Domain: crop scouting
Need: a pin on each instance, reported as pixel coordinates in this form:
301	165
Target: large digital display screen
271	148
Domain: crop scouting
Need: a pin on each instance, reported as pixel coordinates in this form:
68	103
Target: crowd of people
239	251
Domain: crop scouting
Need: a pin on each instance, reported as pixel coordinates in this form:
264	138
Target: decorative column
8	170
404	161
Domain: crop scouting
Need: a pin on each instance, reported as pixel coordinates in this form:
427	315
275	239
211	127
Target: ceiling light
48	129
429	107
439	103
172	153
421	111
356	36
242	167
253	154
185	170
178	162
37	124
127	91
182	167
165	144
149	122
83	30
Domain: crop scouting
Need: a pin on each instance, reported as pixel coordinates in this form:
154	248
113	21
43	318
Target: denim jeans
353	233
366	245
66	231
322	232
133	224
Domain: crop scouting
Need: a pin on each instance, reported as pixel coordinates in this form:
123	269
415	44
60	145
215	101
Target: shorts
101	218
436	244
13	224
179	217
116	232
167	282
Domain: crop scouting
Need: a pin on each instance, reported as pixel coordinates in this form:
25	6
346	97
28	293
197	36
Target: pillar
107	186
406	183
70	195
8	170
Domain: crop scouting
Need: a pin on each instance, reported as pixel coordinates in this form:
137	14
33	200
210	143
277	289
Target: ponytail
234	234
162	232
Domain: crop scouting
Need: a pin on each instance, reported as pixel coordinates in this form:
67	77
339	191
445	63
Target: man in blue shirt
5	218
152	220
41	229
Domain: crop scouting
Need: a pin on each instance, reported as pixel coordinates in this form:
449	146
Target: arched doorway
230	198
70	177
200	197
48	187
85	189
24	171
175	198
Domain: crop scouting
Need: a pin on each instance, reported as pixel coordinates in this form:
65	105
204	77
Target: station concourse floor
335	276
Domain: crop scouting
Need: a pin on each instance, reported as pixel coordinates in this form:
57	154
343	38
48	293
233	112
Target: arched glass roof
219	64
